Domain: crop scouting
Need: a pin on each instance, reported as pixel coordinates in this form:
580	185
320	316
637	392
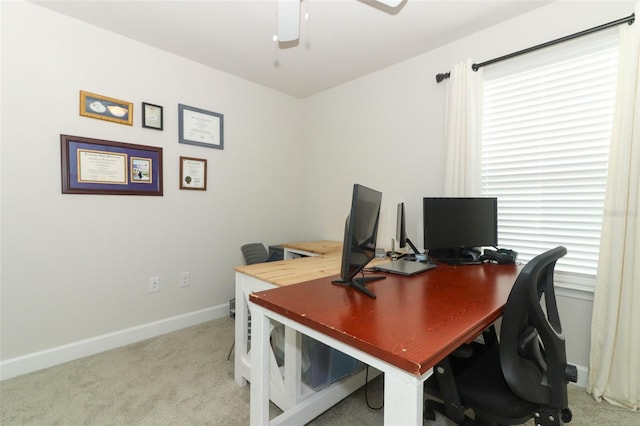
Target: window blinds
547	121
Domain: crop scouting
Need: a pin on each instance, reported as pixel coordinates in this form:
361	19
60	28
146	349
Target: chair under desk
414	323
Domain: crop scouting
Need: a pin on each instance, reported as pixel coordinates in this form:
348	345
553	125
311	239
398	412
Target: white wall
76	266
68	270
386	130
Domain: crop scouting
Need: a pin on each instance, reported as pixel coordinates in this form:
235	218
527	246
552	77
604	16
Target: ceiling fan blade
390	3
288	20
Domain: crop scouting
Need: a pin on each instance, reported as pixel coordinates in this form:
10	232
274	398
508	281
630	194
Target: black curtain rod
629	19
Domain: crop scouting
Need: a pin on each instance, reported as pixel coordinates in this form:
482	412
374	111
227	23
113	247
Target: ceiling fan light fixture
390	3
288	20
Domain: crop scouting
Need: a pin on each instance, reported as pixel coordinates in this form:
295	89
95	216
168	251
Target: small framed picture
193	173
141	170
200	127
105	108
151	116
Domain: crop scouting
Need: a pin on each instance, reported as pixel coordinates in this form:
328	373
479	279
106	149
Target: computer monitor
454	227
360	233
401	230
401	227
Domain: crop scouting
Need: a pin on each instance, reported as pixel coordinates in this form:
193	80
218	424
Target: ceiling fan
289	18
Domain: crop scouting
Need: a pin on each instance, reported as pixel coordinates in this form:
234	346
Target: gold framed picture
106	108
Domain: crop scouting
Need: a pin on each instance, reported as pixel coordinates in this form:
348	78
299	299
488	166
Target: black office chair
525	375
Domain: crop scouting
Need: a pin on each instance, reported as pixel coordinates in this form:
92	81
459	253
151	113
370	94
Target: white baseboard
47	358
583	376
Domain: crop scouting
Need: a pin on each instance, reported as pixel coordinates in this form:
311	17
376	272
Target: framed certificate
151	116
193	173
95	166
200	127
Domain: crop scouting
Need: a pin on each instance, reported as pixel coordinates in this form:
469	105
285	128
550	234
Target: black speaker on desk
500	256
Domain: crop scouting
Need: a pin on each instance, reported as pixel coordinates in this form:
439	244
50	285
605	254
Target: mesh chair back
254	253
532	346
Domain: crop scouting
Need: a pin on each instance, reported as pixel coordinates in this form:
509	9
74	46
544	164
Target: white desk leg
403	399
292	366
259	414
241	333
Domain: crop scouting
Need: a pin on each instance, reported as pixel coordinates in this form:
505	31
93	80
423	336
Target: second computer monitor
401	227
401	230
455	225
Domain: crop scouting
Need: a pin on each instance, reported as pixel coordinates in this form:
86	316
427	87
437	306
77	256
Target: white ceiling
342	40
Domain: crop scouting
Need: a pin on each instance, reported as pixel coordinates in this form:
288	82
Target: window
547	120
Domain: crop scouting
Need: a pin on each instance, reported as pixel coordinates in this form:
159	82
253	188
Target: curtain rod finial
442	76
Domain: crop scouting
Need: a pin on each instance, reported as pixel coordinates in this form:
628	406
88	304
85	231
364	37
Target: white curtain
614	370
463	129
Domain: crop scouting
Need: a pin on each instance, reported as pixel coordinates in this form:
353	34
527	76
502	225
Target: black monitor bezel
401	227
349	269
457	246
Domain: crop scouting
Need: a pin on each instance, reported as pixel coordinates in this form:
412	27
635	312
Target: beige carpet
183	378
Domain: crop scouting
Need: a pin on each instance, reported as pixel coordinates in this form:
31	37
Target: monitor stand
360	283
408	256
413	247
462	256
457	261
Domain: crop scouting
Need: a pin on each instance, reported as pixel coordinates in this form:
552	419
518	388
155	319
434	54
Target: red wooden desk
414	323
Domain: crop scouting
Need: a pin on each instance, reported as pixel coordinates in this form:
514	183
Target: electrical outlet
154	284
184	279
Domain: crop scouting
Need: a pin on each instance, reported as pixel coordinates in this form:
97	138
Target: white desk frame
294	253
286	389
403	391
287	386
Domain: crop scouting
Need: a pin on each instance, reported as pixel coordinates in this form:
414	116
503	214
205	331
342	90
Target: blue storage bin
323	365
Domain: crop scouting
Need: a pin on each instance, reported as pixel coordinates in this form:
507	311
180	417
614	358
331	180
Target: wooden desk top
294	271
321	247
414	322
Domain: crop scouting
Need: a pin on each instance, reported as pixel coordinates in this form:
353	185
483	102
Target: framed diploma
94	166
193	173
151	116
105	108
200	127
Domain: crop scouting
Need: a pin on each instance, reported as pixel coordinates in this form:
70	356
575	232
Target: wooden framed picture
193	173
94	166
106	108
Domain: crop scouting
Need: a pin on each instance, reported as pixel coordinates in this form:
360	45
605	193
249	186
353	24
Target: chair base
543	417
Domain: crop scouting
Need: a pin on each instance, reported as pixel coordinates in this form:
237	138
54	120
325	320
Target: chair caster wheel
429	414
566	415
